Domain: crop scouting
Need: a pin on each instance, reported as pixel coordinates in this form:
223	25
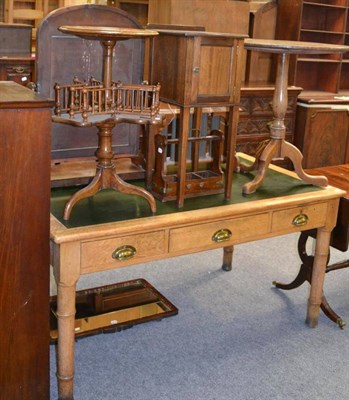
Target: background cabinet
259	64
16	62
24	256
322	134
137	8
18	69
323	21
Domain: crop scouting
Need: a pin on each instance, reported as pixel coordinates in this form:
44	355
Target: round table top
107	32
294	47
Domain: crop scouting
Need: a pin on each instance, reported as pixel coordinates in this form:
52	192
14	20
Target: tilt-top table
101	105
278	147
94	236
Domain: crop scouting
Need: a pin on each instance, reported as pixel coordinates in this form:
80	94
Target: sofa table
124	233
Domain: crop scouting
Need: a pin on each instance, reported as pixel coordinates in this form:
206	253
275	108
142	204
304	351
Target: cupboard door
324	141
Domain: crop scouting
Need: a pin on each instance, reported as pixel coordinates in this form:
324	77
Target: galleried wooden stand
199	181
197	70
278	147
104	105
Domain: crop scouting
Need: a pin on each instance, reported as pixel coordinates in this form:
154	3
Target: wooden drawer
202	236
119	251
19	73
299	218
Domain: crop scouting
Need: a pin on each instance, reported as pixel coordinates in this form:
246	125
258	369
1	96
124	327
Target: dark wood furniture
278	147
259	66
198	69
16	60
25	132
320	21
15	38
18	68
105	105
338	176
137	8
224	16
322	130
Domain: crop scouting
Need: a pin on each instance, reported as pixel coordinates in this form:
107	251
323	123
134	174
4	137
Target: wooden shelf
323	21
322	31
340	3
319	60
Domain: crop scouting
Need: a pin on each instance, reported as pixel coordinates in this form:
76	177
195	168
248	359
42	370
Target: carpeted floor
236	337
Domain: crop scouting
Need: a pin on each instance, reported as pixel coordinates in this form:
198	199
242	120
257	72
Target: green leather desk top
111	206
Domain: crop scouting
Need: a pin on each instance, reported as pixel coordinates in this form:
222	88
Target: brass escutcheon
222	235
19	70
300	220
124	253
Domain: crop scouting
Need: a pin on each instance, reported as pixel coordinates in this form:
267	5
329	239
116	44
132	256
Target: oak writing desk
104	234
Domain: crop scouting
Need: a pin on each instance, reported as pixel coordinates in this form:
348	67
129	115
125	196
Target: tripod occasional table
104	105
278	147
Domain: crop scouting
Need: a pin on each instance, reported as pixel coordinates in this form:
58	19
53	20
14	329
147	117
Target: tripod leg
291	151
91	189
332	315
264	161
301	277
118	184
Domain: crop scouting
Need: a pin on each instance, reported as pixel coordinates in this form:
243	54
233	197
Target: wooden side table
103	112
278	147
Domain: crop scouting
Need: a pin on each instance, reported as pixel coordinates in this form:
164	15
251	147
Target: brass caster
341	323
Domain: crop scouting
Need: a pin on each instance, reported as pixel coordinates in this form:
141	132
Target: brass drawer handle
300	220
19	70
124	253
222	235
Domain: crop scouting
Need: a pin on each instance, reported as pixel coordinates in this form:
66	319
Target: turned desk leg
318	276
67	272
228	258
66	338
